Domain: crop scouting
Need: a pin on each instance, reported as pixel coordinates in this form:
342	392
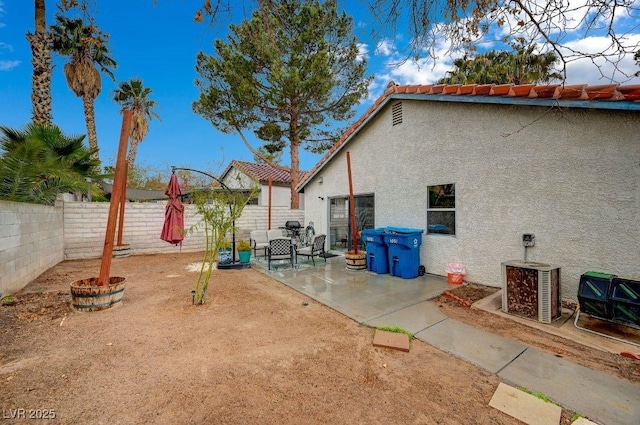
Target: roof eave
363	124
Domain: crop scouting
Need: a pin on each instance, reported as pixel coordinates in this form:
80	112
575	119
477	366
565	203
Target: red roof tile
466	89
262	172
505	93
520	91
500	90
482	90
544	92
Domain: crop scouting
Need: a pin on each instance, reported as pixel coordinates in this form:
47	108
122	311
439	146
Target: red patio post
119	183
123	199
352	207
269	213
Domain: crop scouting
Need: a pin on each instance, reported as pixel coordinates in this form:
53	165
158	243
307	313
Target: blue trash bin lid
393	229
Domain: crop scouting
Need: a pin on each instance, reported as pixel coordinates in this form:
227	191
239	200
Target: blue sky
159	44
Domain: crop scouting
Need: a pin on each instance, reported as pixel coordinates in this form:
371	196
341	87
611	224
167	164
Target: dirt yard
256	353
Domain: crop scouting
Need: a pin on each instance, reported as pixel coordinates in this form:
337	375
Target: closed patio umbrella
173	228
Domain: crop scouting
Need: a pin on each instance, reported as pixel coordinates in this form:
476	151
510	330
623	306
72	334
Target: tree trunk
42	68
133	150
90	118
294	145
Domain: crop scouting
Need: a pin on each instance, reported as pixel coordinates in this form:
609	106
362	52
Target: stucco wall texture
571	177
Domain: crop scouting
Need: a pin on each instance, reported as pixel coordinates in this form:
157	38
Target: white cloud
434	65
385	48
4	47
619	69
8	65
363	51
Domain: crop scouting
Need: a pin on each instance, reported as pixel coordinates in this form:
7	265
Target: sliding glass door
340	234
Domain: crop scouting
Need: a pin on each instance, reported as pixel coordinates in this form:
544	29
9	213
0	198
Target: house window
396	113
441	209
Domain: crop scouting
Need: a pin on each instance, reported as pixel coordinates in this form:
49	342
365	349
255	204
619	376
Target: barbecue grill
293	228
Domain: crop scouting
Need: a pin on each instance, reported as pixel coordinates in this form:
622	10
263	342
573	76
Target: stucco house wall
569	176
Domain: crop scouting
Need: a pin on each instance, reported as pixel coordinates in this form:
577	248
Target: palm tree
41	161
500	67
133	96
40	42
529	67
86	47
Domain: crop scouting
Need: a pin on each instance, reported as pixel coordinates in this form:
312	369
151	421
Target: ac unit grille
531	291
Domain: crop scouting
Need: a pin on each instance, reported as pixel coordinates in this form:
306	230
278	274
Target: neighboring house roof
608	96
137	194
262	172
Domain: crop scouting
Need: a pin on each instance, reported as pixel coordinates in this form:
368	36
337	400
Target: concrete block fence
34	238
31	241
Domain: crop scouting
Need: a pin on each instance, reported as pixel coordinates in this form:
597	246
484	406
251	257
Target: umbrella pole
119	182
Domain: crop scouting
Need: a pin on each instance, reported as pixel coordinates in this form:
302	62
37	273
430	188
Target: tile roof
262	172
606	96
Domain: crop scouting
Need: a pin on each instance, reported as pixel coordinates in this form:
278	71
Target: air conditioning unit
531	290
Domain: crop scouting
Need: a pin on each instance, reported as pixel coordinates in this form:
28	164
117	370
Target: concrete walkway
384	300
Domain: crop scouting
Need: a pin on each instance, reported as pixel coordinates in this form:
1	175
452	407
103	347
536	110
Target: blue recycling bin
404	251
377	257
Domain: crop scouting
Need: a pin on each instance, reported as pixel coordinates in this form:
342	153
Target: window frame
430	209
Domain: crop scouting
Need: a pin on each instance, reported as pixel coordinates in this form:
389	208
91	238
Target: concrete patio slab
486	350
393	340
360	295
599	396
525	407
414	318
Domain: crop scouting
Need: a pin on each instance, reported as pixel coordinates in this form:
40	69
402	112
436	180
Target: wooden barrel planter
121	251
356	261
87	296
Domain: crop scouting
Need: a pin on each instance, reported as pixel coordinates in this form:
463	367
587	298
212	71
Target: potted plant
244	251
224	252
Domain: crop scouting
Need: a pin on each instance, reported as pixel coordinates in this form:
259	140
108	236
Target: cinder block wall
85	225
34	238
31	241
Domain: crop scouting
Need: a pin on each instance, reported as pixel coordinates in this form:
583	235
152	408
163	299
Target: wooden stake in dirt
352	207
119	182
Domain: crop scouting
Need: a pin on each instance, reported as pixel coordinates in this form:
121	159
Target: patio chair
275	234
315	248
259	240
280	249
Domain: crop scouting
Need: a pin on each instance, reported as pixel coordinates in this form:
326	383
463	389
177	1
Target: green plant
243	245
225	245
396	329
8	300
218	209
539	395
575	417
